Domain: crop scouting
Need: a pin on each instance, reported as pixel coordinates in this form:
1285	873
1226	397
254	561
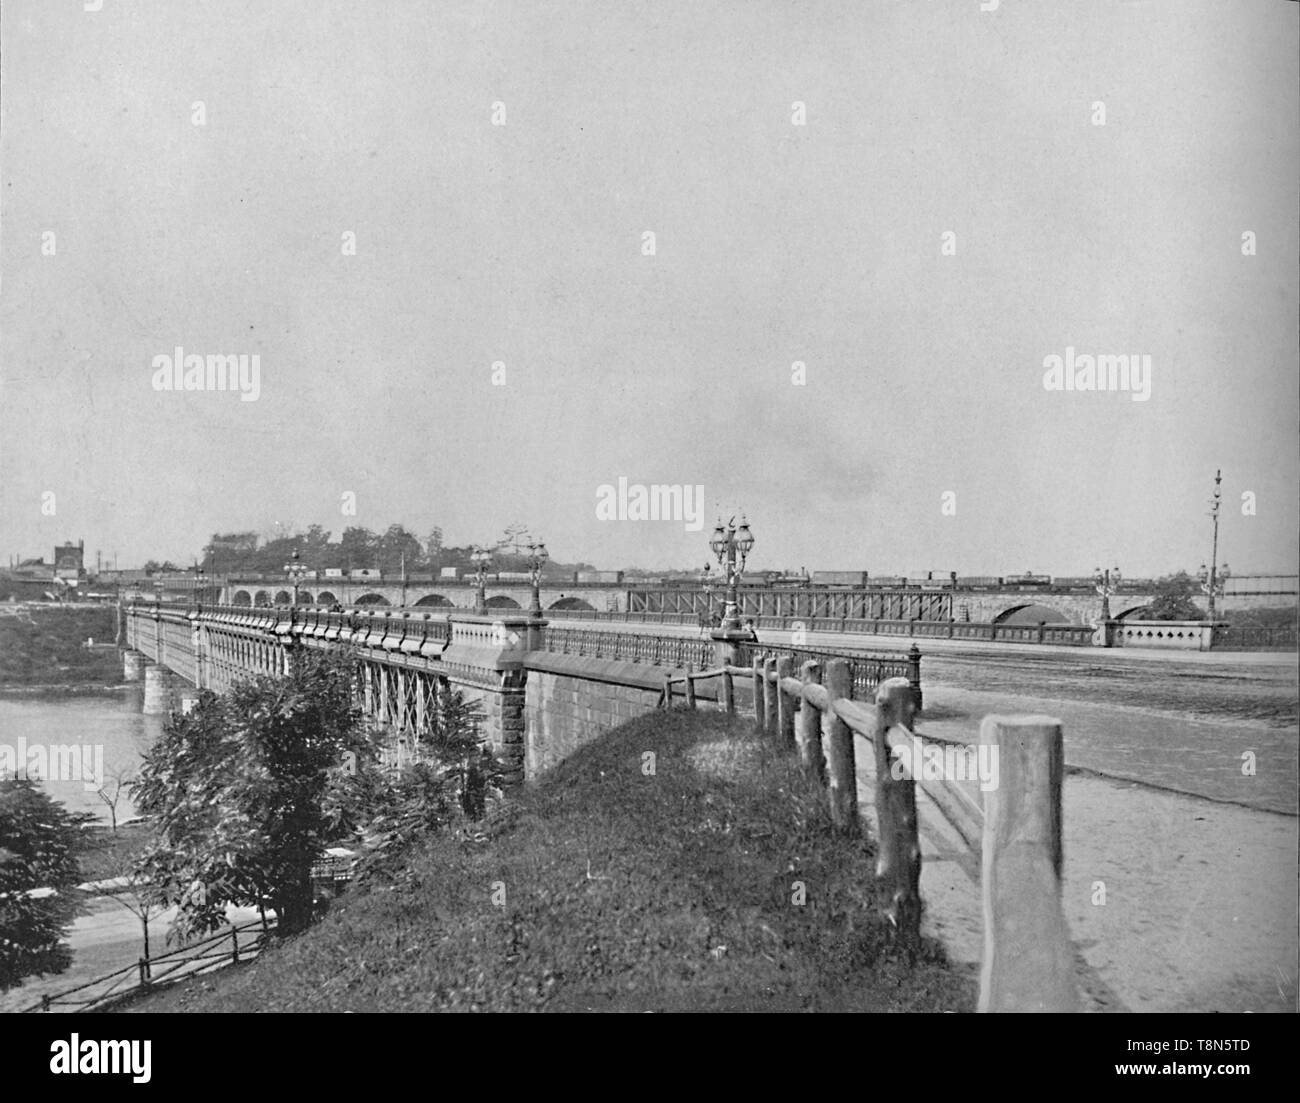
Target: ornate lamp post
731	546
482	559
537	557
1107	582
1213	577
296	571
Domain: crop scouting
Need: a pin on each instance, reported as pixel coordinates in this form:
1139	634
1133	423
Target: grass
623	891
42	645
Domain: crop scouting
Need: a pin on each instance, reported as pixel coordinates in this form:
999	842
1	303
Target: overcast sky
774	243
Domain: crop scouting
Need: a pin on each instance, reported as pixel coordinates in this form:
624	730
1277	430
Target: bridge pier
160	690
133	664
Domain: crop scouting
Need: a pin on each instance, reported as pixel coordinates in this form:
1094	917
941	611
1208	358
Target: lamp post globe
537	557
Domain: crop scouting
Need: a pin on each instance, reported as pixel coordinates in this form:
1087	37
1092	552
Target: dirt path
1175	902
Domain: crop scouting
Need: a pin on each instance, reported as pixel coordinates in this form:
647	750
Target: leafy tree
230	551
466	761
358	548
39	846
241	791
453	777
1172	599
397	546
433	549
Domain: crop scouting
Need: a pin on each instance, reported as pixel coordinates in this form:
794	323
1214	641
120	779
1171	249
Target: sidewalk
109	937
1174	902
840	641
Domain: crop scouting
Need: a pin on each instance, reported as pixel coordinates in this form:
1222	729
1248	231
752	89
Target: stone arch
242	597
261	599
372	599
283	597
434	599
326	598
1031	613
304	598
501	601
573	603
1133	613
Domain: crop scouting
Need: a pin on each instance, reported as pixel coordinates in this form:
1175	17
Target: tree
39	846
240	789
433	549
358	548
1173	599
458	747
397	547
135	893
230	552
110	792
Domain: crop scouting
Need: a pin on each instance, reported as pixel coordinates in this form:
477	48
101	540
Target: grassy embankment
622	892
41	648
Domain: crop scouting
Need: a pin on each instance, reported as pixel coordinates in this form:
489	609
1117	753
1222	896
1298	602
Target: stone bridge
544	689
446	595
770	606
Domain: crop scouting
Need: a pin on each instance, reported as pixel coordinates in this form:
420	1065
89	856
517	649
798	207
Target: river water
108	734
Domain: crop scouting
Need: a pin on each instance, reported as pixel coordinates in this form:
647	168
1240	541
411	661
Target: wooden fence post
898	865
728	693
690	686
842	778
760	720
1028	956
769	696
810	727
784	705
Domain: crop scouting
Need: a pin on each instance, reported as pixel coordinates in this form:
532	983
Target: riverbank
45	645
54	691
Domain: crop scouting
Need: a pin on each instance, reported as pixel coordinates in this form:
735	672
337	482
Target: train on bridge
864	580
928	580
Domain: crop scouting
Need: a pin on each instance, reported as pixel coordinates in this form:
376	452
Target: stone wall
571	701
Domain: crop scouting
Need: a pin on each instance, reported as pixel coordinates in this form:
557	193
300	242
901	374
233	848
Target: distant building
69	561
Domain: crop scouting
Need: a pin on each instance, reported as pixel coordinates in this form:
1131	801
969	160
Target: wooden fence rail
1014	835
208	953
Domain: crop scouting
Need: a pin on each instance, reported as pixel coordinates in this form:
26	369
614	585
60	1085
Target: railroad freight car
1028	580
598	576
854	579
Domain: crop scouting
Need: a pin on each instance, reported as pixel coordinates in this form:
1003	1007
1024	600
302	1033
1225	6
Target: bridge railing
868	671
632	647
1246	637
392	630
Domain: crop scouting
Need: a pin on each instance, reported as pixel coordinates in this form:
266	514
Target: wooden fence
1014	831
228	947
